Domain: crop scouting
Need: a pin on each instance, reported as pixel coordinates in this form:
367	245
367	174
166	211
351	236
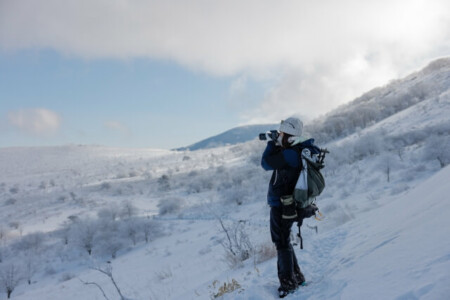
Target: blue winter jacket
286	166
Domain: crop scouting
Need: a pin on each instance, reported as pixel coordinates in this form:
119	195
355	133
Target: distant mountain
233	136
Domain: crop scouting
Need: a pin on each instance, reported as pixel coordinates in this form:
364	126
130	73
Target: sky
166	74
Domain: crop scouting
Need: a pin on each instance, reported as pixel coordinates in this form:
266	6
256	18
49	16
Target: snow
384	234
397	249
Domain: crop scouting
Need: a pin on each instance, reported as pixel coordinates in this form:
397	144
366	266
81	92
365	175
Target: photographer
282	157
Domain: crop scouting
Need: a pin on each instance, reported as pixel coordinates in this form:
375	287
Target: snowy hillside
159	218
432	82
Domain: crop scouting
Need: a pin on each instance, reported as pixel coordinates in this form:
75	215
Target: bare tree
9	278
107	270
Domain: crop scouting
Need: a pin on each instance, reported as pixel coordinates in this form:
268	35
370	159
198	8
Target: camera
269	135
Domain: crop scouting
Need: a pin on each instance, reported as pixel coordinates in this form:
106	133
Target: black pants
280	230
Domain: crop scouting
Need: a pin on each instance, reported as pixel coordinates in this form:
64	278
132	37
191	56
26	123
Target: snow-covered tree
438	148
84	232
128	210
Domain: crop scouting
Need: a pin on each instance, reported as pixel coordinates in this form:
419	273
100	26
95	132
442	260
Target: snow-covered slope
399	250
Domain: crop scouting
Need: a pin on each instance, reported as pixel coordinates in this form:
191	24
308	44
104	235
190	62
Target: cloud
37	121
223	37
118	128
318	53
313	92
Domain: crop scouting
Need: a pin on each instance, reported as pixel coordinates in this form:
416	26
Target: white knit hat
292	126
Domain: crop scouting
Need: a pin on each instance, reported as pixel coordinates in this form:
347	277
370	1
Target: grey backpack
311	182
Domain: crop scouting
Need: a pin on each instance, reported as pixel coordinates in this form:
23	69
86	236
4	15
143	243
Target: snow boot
287	287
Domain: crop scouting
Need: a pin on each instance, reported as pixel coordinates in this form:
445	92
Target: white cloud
224	37
37	121
314	92
324	52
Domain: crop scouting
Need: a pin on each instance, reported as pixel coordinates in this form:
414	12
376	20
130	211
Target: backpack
311	182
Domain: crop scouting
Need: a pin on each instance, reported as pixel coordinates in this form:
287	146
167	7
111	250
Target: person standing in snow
282	157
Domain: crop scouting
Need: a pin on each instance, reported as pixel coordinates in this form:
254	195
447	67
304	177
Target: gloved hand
307	212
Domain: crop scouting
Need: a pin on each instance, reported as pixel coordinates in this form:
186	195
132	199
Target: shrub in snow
164	274
207	183
127	210
164	183
105	186
111	212
14	190
14	225
43	185
61	199
73	196
192	173
170	205
121	175
133	173
236	195
50	270
236	243
438	148
11	201
227	287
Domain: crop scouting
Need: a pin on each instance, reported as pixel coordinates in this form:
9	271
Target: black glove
307	212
